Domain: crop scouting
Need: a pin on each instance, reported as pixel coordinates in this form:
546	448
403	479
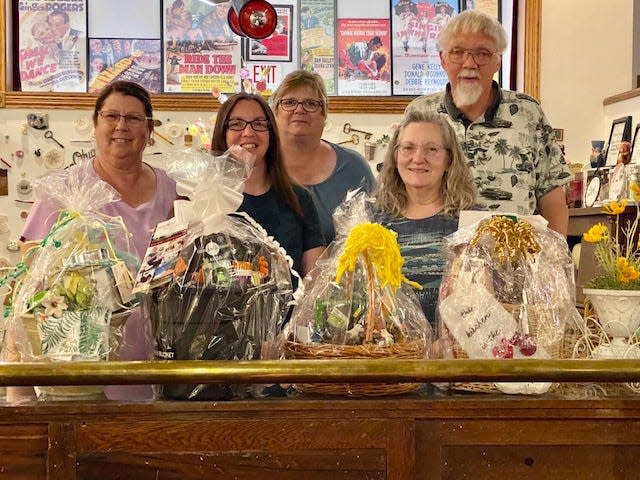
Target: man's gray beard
465	95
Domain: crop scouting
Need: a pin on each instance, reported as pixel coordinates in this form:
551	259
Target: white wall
586	56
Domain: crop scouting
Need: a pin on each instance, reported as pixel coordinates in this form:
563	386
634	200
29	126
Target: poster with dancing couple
416	25
201	53
363	57
52	46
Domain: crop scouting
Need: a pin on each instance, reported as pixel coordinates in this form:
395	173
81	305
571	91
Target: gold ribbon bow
513	239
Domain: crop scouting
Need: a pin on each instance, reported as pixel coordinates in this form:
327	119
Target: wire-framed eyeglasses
481	56
429	150
131	119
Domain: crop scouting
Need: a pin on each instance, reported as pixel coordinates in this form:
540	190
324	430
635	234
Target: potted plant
615	291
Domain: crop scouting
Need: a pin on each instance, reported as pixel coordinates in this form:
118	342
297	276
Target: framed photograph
559	133
592	191
635	147
620	131
276	47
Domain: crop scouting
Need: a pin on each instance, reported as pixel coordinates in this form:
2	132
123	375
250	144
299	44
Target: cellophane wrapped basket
358	305
216	287
72	292
508	292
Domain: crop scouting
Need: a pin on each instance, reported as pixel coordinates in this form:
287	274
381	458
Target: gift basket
507	293
71	294
358	305
215	285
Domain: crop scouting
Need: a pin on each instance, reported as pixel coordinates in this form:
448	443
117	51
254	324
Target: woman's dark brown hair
276	172
125	88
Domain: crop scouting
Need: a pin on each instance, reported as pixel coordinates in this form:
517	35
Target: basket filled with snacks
358	306
508	292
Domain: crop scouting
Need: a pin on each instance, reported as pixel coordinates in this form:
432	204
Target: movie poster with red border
201	53
52	46
364	57
277	47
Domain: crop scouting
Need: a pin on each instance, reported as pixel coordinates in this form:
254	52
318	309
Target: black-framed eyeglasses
131	119
309	105
238	124
481	56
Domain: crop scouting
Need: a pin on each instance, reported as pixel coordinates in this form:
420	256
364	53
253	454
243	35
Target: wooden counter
422	436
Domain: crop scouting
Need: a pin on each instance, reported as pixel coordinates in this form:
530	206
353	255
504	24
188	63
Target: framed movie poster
620	131
277	46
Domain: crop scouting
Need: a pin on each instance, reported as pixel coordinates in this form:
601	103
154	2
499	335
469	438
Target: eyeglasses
309	105
409	150
131	119
238	124
480	56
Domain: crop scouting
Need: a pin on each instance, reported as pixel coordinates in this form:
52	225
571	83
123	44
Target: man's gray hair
473	21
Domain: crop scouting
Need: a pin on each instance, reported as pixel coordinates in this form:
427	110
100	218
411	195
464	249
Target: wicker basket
314	351
541	326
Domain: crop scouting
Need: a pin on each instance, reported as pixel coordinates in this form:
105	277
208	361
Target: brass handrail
318	371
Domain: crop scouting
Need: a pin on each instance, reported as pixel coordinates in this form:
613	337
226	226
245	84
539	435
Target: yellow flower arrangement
618	255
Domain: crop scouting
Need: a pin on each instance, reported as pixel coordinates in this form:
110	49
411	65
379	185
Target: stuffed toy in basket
507	293
358	305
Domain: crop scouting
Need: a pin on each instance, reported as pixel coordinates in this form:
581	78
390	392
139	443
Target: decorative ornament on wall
53	159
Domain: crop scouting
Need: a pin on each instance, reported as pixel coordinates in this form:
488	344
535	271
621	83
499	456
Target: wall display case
15	99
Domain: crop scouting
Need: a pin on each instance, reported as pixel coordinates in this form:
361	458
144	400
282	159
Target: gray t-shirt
421	242
352	171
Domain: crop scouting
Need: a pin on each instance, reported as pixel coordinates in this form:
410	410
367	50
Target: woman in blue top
327	170
423	185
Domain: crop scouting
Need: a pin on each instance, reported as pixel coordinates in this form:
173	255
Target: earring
151	141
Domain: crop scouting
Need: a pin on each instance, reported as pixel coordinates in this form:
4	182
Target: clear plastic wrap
358	304
228	288
508	292
71	294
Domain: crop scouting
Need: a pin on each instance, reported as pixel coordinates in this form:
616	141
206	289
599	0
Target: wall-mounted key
49	135
355	139
347	128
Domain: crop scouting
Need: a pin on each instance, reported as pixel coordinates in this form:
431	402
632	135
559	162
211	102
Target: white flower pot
619	317
618	310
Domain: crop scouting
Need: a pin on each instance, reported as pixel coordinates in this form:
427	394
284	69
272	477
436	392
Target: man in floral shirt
517	164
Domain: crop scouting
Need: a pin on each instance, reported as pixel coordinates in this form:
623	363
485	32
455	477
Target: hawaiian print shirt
511	149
